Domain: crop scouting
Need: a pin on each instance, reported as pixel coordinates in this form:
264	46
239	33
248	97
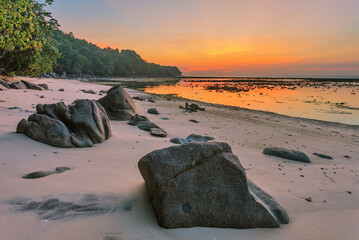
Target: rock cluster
143	123
22	85
80	124
118	104
204	185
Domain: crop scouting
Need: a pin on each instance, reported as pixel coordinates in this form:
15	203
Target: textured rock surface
32	86
191	138
287	154
81	124
143	123
118	104
18	85
202	185
6	84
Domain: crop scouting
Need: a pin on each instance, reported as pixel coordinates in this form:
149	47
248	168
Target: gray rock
158	132
321	155
118	104
18	85
287	154
143	123
269	202
146	126
41	174
81	124
193	107
193	120
61	90
151	100
44	86
191	138
153	111
88	91
139	98
202	185
5	84
138	118
38	174
32	86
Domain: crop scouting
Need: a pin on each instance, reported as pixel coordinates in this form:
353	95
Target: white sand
110	169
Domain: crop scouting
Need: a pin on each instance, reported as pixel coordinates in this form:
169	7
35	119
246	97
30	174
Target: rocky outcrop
81	124
118	104
287	154
204	185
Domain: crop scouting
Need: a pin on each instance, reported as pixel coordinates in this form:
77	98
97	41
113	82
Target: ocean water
335	100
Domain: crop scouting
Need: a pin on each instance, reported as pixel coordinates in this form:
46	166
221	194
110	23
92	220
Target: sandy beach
107	175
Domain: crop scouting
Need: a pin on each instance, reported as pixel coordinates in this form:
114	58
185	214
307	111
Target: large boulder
118	104
202	184
81	124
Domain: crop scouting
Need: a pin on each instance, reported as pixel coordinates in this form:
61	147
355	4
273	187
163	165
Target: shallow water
322	99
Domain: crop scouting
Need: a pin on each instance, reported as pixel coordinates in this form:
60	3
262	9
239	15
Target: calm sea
335	100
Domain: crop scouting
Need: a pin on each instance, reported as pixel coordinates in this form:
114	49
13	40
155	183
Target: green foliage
81	57
26	46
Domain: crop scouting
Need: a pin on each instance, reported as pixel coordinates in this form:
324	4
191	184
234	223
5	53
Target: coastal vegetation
31	43
81	57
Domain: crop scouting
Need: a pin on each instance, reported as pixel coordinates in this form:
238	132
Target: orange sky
225	38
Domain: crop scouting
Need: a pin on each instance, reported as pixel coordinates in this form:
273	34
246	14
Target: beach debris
191	138
118	104
90	91
287	154
33	86
143	123
41	174
153	111
192	107
180	179
321	155
80	124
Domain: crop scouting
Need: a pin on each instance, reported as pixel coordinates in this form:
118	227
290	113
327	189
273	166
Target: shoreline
108	174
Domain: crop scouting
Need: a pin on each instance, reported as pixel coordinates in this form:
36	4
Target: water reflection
317	99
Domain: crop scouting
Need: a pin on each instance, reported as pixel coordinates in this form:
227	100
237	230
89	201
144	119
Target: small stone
308	199
321	155
192	120
61	90
153	111
158	132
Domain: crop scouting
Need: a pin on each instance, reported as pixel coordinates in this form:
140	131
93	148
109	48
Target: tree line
31	43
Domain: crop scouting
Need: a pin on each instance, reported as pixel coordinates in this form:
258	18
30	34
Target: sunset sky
227	37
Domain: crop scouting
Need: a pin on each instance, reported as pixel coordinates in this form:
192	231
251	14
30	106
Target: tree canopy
81	57
31	44
26	44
